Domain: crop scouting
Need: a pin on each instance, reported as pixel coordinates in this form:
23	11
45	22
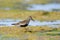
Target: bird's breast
24	25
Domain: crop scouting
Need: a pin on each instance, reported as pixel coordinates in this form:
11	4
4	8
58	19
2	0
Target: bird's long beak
32	19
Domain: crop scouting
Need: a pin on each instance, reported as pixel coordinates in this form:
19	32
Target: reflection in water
8	22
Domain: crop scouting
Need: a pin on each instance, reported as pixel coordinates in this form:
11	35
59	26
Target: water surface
8	22
45	7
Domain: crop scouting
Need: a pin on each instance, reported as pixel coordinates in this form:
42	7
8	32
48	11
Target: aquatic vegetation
18	14
19	33
45	13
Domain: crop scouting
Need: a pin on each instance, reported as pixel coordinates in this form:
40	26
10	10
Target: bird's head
30	17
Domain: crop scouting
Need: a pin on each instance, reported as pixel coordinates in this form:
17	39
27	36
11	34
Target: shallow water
45	7
8	22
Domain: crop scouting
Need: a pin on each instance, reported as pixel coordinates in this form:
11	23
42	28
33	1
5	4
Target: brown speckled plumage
23	23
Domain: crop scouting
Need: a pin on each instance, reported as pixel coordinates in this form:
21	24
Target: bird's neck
28	20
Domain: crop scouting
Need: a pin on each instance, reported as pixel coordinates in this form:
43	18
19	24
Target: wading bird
24	23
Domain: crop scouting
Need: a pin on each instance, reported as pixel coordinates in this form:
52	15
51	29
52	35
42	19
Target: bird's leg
27	29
